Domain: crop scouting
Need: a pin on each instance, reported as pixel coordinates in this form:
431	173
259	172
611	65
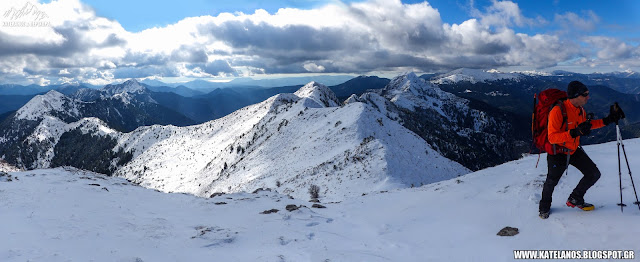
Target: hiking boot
572	202
544	214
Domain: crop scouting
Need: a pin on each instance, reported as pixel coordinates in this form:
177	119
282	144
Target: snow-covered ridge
318	93
474	76
532	73
407	82
289	141
50	129
54	102
126	92
410	92
130	86
39	106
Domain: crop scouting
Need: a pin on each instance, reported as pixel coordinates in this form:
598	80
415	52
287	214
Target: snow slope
50	129
289	141
72	215
53	102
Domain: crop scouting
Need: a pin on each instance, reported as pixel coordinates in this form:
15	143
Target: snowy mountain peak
407	83
53	94
40	105
474	76
410	92
319	93
406	76
129	86
132	81
631	74
352	99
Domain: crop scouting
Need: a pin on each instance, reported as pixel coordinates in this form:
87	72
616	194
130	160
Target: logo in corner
28	15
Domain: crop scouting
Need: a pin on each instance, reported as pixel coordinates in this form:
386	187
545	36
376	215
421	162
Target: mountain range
194	104
29	135
391	165
292	140
242	92
367	131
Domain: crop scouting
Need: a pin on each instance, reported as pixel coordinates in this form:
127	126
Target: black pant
557	164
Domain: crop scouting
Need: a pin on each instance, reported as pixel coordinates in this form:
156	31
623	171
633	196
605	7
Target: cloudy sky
97	42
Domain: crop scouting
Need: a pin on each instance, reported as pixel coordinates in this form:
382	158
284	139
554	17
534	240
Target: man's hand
615	114
583	129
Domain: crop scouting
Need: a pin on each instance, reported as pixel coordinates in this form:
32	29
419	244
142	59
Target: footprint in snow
283	241
313	224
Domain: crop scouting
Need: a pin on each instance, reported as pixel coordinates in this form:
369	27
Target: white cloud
375	35
313	68
504	14
611	48
67	80
42	81
611	52
571	21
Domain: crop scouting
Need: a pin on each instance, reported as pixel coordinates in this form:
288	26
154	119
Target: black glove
583	129
615	114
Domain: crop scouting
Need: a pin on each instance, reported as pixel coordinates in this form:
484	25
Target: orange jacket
575	115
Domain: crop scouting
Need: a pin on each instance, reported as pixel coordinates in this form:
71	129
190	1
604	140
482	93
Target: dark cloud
386	60
491	48
189	54
219	67
286	45
472	61
113	40
77	61
342	62
72	44
145	71
394	29
247	34
143	59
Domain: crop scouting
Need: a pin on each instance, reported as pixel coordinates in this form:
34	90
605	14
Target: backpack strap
557	148
533	125
564	116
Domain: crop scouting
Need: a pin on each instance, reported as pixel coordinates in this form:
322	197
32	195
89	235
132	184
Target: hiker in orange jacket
564	133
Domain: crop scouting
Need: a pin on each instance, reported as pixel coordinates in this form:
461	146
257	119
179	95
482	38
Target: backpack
546	100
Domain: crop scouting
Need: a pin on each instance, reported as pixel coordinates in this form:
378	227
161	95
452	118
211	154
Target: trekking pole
618	138
628	167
